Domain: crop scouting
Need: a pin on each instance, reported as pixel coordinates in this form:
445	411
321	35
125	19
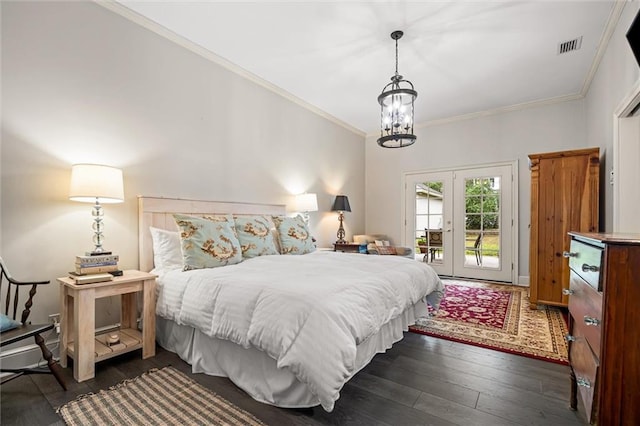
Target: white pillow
167	252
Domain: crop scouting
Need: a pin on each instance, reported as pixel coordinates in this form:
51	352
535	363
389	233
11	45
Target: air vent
569	46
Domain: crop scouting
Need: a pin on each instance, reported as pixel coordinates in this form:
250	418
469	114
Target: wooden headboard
158	212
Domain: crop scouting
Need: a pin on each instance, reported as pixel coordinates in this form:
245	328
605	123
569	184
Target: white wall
82	84
616	75
490	139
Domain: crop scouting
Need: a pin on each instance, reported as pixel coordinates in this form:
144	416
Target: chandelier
396	109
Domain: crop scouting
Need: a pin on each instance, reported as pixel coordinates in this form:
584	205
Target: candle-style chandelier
396	109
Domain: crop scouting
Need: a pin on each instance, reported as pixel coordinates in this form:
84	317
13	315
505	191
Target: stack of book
93	268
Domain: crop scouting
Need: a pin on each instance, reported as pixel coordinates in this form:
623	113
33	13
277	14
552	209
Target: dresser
564	197
604	326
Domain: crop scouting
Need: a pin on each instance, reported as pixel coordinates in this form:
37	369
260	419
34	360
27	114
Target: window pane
473	204
491	203
490	221
473	222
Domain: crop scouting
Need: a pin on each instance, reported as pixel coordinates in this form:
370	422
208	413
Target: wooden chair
25	329
434	242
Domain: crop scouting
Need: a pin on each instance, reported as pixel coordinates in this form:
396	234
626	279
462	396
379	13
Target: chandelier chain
396	56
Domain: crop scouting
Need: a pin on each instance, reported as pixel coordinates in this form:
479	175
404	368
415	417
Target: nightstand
77	320
348	247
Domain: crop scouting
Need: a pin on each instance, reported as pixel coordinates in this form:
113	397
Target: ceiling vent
569	46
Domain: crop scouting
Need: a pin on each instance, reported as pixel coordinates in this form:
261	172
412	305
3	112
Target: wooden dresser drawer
586	261
585	307
585	367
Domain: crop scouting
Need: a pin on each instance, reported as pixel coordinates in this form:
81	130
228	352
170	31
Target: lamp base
341	234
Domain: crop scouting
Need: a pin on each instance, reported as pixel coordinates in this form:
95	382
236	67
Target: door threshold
477	280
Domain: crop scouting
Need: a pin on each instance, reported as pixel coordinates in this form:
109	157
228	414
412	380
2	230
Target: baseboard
523	281
31	356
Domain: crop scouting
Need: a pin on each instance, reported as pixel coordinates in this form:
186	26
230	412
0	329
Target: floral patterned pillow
294	235
255	236
208	242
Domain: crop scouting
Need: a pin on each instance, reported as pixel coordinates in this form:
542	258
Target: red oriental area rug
497	317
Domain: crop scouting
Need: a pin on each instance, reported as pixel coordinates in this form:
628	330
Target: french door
460	221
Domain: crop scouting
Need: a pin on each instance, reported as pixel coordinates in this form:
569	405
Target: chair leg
53	365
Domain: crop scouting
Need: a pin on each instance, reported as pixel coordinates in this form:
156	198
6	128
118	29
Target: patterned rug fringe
76	399
110	388
178	391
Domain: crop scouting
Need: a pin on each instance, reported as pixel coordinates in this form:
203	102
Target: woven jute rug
158	397
497	317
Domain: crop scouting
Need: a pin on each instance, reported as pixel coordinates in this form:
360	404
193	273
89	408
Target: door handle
448	229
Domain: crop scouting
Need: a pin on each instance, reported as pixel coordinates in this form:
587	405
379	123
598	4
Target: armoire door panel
564	197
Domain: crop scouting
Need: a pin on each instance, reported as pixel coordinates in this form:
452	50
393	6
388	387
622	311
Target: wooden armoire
564	197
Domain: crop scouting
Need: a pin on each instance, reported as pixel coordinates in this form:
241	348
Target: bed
290	330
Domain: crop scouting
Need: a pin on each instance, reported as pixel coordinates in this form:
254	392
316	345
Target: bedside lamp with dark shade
341	205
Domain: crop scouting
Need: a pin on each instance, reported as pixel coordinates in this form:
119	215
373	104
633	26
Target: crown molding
612	23
153	26
502	110
494	111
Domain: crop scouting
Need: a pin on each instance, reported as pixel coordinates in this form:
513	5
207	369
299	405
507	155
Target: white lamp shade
306	203
91	181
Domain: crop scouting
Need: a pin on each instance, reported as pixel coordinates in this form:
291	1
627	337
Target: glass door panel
429	197
482	222
484	192
428	225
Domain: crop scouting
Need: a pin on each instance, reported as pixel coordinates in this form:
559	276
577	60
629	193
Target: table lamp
93	183
306	203
341	205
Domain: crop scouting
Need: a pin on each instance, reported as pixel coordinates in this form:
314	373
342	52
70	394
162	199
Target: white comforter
307	312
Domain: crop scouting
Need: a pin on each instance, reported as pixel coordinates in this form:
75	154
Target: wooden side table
77	320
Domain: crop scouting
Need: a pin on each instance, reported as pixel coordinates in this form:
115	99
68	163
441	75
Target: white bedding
307	312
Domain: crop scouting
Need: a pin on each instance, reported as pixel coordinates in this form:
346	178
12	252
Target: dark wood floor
420	381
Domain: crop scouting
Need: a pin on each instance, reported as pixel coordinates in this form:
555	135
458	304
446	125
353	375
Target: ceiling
462	57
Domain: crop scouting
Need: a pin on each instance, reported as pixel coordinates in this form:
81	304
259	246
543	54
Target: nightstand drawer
350	247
